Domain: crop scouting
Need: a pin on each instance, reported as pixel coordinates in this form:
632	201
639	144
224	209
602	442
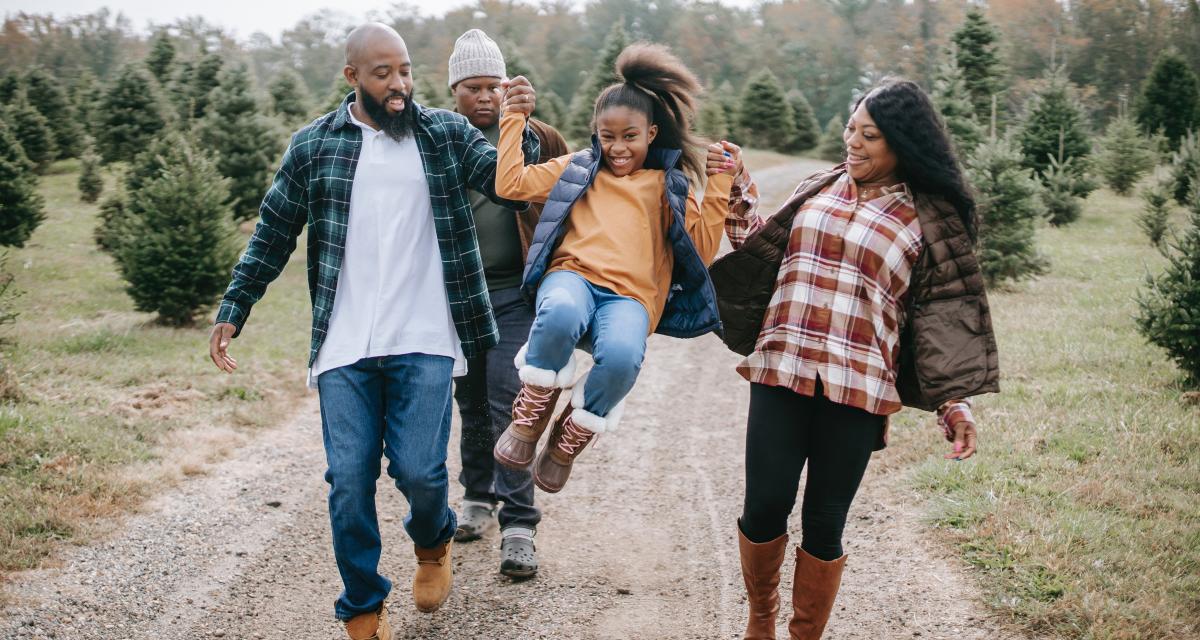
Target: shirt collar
901	190
366	128
342	115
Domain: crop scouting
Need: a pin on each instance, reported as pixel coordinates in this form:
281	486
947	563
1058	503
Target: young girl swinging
620	251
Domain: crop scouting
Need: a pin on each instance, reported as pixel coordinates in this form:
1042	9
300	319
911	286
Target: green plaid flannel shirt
313	187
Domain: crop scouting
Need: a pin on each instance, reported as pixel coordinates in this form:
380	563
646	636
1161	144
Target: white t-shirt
391	294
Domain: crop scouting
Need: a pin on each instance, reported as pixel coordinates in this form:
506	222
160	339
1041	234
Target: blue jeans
572	311
398	406
485	399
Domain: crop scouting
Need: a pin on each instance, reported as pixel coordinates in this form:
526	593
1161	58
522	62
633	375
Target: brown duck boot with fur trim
370	626
566	442
531	412
434	576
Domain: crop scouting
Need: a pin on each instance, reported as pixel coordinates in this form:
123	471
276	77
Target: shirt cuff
234	314
741	199
952	413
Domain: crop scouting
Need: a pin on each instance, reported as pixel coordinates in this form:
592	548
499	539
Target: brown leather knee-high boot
760	571
813	591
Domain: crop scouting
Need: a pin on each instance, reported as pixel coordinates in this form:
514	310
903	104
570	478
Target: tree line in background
1045	101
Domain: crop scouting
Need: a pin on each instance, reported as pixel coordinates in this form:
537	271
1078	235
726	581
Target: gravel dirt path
641	544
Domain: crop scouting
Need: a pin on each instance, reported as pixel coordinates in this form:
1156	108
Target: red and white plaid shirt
837	308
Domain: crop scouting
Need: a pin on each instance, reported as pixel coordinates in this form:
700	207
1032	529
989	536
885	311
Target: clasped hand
519	96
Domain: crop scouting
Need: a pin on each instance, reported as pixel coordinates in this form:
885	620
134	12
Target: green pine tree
954	104
808	130
179	248
338	90
178	90
728	98
1185	166
603	74
710	121
429	92
90	182
152	162
86	93
516	65
765	117
978	55
1170	98
550	109
193	84
1063	204
832	146
161	57
1169	308
289	97
10	84
21	206
8	315
1054	127
246	143
47	95
110	227
1009	207
1124	155
148	164
1156	210
130	115
33	131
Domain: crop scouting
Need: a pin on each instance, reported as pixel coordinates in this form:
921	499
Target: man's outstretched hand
218	345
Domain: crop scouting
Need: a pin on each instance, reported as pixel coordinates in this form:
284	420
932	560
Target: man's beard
397	126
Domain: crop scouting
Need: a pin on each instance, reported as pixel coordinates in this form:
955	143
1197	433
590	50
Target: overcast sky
242	17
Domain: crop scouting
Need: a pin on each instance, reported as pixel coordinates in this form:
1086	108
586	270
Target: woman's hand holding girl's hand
519	96
724	157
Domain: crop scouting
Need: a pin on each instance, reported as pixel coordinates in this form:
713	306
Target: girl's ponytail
653	81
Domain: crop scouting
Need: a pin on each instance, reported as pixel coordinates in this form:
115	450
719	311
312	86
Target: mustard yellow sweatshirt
616	234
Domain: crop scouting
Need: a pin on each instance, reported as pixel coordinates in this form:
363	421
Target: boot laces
531	405
574	438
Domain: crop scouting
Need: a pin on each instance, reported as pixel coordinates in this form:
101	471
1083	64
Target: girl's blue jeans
570	312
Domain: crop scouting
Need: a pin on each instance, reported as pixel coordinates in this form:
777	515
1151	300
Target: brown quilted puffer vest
947	346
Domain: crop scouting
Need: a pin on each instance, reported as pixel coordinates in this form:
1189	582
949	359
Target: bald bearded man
399	303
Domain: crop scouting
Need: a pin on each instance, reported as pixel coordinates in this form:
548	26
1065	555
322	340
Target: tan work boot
814	589
434	576
370	626
760	572
566	442
531	412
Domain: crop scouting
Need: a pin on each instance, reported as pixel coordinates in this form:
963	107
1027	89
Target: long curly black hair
916	134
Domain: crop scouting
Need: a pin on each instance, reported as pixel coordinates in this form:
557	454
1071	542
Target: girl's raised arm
514	179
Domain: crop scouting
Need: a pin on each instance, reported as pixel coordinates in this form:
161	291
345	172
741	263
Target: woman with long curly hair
878	303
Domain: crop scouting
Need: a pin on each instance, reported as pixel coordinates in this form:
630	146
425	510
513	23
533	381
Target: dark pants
784	431
485	399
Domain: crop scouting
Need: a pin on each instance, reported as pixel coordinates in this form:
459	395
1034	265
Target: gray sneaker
477	518
518	555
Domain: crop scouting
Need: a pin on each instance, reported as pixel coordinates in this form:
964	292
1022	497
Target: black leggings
786	429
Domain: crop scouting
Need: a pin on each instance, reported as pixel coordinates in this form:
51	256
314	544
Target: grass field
1081	510
113	405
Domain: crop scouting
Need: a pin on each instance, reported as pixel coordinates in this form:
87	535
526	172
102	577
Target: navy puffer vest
691	308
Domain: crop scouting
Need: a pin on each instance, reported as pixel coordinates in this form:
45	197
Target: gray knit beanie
475	55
